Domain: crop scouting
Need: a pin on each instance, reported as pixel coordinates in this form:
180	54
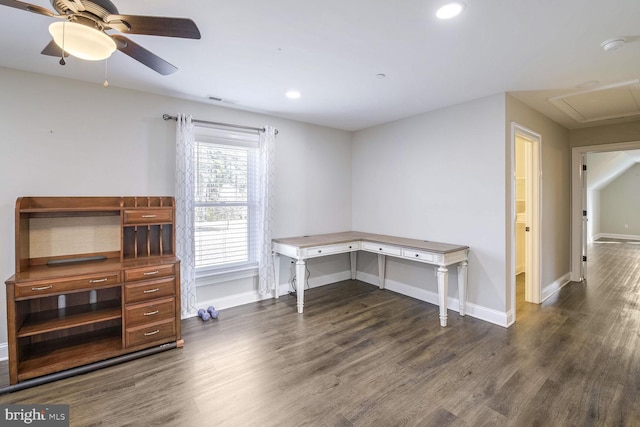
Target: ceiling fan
82	28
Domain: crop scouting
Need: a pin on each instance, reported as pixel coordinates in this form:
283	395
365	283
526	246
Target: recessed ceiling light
293	94
450	10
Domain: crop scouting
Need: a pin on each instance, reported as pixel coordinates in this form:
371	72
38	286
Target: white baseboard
617	236
231	301
255	296
511	318
4	351
479	312
555	286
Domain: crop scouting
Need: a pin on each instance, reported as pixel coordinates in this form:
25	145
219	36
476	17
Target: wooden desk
440	254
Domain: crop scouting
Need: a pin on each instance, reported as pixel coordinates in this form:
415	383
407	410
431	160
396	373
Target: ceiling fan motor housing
100	8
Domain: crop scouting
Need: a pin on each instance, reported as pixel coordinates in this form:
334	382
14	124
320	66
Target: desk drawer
152	272
50	287
152	289
381	249
330	249
148	216
151	311
422	256
162	330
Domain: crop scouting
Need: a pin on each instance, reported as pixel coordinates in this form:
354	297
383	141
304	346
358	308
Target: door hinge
527	229
584	167
584	213
584	259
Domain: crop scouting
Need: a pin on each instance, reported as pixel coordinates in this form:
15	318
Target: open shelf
60	354
70	317
141	241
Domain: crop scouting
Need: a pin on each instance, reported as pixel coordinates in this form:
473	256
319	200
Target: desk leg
443	288
382	264
353	255
300	273
462	286
276	274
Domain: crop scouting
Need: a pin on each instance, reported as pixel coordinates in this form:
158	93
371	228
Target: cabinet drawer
151	272
331	249
50	287
152	311
421	256
148	216
162	330
152	289
382	249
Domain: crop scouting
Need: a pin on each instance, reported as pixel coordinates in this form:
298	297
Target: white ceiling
605	167
253	51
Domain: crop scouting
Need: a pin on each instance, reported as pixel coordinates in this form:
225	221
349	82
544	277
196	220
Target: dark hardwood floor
360	356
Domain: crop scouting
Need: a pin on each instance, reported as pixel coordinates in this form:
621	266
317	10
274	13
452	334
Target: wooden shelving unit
79	260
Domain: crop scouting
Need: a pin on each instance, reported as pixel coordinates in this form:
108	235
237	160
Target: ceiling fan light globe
82	41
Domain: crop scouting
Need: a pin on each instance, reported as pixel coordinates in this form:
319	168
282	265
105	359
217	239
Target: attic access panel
605	103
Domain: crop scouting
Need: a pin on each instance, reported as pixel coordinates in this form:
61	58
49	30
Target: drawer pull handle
319	251
148	334
417	255
150	291
151	313
379	248
42	288
150	273
98	280
149	216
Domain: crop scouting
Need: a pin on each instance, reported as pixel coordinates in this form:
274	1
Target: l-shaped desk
440	254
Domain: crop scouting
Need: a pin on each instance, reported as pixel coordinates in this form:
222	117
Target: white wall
620	204
555	215
603	168
61	137
437	176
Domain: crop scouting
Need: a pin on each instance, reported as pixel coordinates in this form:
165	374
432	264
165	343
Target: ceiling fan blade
154	26
52	49
28	7
143	56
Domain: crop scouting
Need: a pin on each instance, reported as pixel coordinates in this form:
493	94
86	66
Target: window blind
225	199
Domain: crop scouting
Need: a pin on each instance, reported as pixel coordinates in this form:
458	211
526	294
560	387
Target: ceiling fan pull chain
106	82
62	61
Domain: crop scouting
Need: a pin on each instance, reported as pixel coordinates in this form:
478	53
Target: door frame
577	199
534	205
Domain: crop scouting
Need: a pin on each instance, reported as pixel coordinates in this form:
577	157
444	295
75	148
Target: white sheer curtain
184	193
265	204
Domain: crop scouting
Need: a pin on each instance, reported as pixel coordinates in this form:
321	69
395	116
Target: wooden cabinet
96	278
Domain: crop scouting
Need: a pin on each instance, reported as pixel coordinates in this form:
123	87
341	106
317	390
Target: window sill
211	277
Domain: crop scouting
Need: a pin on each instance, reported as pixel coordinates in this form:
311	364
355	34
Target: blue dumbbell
213	312
204	315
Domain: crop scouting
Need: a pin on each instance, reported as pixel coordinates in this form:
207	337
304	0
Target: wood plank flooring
360	356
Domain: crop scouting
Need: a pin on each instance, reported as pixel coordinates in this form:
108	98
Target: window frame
239	139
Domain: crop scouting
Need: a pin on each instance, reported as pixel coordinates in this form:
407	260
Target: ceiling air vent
604	103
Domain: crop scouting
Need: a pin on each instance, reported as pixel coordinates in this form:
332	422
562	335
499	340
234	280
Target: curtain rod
168	117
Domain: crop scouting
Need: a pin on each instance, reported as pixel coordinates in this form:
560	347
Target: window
225	200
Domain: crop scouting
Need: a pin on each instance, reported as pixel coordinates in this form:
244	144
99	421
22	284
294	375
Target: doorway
579	203
525	253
